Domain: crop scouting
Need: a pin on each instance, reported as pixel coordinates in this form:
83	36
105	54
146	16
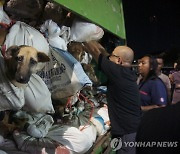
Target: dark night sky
152	25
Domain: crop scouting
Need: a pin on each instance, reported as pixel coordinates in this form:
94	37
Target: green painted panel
106	13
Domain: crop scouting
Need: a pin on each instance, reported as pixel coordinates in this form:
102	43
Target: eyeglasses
115	56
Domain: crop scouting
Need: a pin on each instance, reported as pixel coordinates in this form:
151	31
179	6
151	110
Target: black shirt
122	96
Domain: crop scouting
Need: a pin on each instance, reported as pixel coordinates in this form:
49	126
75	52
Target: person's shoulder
176	72
104	58
164	76
152	80
158	80
155	81
149	83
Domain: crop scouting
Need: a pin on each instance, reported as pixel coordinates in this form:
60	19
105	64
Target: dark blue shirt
122	96
153	92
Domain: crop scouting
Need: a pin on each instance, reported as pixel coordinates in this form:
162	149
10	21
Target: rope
91	113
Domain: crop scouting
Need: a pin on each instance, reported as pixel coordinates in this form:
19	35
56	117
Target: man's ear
11	51
42	57
119	60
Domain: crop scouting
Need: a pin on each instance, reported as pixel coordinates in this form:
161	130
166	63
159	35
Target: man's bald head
125	53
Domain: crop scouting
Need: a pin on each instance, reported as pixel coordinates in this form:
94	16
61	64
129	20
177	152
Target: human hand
94	46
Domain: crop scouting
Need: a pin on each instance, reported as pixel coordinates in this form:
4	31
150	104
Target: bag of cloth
11	97
41	134
84	31
2	152
36	124
37	96
70	137
4	18
73	138
24	10
63	74
29	144
23	34
52	32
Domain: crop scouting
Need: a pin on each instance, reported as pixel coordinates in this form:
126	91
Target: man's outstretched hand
95	49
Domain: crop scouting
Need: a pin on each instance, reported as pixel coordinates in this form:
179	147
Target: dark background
153	26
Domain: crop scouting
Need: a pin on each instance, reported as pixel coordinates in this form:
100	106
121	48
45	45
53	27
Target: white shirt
166	80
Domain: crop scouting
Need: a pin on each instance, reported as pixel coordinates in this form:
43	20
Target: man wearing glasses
122	92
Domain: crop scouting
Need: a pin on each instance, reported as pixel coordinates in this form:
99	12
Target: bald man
122	94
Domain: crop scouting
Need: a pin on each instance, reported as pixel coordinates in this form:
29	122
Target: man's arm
95	49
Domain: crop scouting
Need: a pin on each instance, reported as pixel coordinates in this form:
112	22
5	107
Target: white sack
71	137
11	97
103	112
84	31
74	139
2	152
4	18
37	96
63	75
52	32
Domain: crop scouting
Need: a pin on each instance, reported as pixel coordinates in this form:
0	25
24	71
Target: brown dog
21	62
77	50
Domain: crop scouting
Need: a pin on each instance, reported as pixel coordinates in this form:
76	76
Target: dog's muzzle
22	79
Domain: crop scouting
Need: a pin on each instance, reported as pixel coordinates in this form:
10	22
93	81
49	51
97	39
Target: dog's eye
33	62
19	59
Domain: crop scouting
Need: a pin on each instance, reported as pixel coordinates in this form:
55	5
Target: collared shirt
153	92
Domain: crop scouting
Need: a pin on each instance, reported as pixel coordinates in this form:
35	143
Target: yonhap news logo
117	144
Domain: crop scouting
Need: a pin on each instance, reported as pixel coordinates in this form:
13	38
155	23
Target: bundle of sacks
85	120
60	78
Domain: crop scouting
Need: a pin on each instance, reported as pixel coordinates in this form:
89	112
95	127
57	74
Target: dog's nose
22	79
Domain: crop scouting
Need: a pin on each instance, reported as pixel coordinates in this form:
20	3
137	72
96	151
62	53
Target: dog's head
77	50
21	62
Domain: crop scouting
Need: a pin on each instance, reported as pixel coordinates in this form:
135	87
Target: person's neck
159	73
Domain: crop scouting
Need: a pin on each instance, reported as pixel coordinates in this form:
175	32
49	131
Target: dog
89	70
20	62
77	50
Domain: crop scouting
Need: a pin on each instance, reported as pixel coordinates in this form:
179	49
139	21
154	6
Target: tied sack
52	32
63	74
4	18
84	31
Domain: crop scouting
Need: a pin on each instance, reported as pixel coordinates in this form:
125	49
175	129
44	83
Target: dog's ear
11	51
42	57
